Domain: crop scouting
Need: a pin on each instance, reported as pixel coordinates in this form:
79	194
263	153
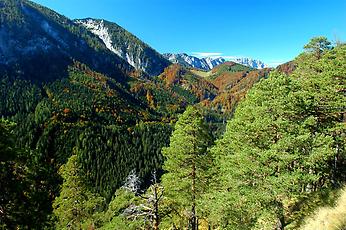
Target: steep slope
234	88
175	75
219	89
126	45
186	60
86	96
38	44
69	93
50	88
110	127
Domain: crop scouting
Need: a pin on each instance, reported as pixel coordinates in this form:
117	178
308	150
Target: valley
98	130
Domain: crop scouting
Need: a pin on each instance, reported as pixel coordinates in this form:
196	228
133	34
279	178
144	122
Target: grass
329	218
201	73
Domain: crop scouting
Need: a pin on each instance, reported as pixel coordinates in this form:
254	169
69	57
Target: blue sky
273	31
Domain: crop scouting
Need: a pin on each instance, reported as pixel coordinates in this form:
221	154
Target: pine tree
76	207
286	140
318	45
186	164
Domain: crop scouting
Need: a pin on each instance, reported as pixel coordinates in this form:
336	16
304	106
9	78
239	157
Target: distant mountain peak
208	63
257	64
214	61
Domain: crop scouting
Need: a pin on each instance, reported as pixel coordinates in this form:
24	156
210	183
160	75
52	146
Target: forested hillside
281	157
87	141
39	44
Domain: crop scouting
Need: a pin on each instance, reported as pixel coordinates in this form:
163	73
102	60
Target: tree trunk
193	190
279	225
156	210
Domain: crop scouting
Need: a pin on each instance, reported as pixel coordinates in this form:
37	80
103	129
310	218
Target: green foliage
283	151
87	107
120	222
9	13
228	67
24	201
317	46
76	207
188	96
116	217
186	165
18	96
285	141
117	151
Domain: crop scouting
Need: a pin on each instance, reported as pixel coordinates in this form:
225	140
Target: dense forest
86	152
108	134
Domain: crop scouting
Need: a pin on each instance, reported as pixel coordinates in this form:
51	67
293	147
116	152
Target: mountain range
90	88
42	46
66	81
98	130
208	63
33	34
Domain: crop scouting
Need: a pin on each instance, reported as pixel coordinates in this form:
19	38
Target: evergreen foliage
317	45
76	207
285	142
109	154
186	165
73	137
24	199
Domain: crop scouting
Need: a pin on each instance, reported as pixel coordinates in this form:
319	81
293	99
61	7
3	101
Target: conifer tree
186	164
318	45
286	140
76	207
24	197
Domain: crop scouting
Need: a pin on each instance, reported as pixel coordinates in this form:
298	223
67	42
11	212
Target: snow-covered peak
214	61
184	60
257	64
191	61
209	63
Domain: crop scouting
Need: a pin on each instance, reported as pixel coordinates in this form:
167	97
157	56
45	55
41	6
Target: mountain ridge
208	63
38	43
126	45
